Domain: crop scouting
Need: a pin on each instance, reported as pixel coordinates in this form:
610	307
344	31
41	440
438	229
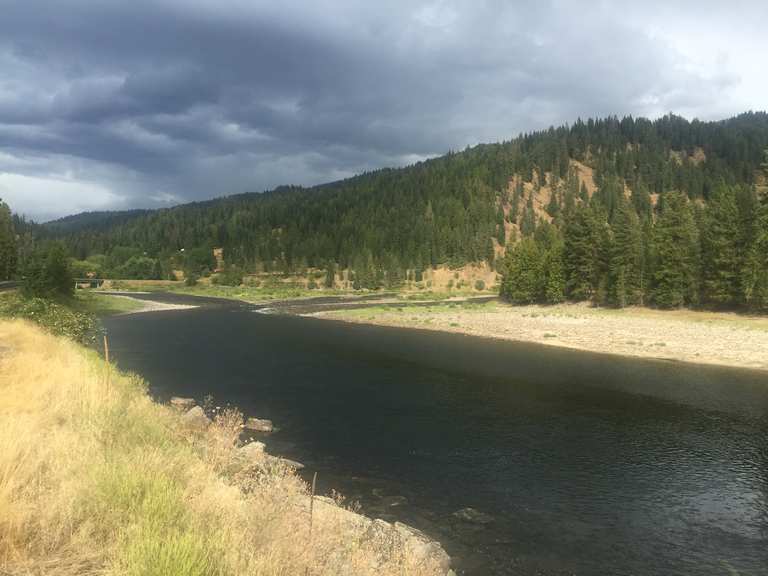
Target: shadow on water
587	463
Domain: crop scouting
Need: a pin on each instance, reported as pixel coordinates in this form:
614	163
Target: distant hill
103	220
463	207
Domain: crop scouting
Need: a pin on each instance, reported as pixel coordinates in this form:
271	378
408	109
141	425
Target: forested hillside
619	211
93	221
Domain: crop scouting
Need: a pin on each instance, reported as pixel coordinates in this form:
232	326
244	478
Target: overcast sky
113	105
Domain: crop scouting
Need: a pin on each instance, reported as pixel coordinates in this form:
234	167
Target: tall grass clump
95	478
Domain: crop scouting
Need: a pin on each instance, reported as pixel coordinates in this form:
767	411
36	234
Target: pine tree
569	200
610	194
641	200
501	236
755	271
626	258
553	206
720	255
583	193
528	223
676	254
330	275
490	252
522	282
516	197
8	248
581	253
554	274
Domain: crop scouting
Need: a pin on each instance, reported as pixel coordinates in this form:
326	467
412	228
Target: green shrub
480	285
53	316
139	268
231	276
92	265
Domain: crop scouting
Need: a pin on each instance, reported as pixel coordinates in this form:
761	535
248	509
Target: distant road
8	286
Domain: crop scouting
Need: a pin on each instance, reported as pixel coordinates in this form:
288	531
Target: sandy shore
150	306
701	337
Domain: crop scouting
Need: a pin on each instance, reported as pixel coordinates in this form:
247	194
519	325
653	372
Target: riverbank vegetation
97	478
47	297
58	317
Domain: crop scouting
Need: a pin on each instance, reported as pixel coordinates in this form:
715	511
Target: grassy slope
103	304
96	478
244	293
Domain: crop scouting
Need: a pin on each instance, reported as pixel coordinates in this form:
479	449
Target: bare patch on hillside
464	278
696	157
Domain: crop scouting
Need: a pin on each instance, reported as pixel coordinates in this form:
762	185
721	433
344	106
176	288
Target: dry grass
95	478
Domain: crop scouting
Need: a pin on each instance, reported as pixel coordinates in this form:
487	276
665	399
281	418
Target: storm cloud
109	105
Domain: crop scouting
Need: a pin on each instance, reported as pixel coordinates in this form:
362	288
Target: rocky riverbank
392	539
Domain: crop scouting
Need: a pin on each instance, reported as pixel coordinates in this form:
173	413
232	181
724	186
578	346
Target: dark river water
588	464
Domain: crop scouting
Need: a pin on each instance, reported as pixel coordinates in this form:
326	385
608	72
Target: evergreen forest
616	211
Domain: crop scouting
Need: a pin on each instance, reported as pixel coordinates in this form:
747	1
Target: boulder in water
259	425
288	463
182	403
473	516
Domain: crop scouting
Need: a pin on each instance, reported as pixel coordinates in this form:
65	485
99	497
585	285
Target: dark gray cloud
145	103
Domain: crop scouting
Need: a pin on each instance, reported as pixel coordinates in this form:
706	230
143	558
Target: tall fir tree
501	236
641	200
756	270
553	206
676	254
330	275
626	258
581	253
584	193
528	222
517	196
554	274
721	261
8	247
522	282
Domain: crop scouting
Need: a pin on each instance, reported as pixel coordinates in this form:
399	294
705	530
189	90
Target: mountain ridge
87	218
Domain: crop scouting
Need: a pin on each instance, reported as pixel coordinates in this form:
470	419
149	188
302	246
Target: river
586	464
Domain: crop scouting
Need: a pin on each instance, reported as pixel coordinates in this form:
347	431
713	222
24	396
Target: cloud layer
149	103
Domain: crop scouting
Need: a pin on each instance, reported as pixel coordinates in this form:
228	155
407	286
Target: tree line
612	246
443	211
676	252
